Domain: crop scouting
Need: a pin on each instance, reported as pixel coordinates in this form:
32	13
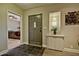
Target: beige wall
2	29
3	22
71	32
13	24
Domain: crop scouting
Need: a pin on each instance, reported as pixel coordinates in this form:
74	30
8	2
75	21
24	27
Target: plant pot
54	32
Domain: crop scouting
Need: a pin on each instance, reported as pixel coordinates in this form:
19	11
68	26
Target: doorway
14	30
35	29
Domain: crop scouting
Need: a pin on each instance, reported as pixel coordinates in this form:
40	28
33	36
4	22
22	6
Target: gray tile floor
25	50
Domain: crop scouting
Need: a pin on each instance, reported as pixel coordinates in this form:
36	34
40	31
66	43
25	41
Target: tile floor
25	50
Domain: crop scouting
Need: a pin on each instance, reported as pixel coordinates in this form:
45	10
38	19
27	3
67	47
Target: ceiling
34	5
13	17
31	5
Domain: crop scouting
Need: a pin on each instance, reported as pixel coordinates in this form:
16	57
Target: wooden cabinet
51	43
55	42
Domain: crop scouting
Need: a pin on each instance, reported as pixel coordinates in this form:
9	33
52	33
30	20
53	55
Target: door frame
41	29
15	13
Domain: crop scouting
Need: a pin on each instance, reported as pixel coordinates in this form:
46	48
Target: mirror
54	22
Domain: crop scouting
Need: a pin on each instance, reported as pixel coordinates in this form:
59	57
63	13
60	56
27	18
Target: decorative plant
54	29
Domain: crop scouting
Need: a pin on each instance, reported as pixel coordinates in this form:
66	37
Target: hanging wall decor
72	18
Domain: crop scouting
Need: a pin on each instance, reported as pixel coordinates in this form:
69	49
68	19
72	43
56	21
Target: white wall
71	32
13	25
3	22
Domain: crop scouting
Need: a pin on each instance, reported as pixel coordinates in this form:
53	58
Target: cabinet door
51	43
55	43
59	43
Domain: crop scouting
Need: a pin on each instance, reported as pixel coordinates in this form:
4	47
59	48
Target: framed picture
72	18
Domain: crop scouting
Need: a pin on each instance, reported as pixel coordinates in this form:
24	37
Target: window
54	21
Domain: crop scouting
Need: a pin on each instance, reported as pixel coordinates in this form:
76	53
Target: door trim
10	11
41	31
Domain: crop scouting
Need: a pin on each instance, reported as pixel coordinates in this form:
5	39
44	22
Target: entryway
14	30
35	29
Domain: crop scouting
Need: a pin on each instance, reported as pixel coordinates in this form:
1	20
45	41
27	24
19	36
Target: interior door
35	29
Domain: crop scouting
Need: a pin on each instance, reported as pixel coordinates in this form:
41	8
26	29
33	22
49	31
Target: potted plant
54	29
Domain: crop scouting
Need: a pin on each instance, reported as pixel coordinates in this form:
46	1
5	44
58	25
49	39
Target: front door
35	29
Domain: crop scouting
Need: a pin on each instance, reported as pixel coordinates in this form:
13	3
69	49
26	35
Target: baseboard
71	50
3	52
